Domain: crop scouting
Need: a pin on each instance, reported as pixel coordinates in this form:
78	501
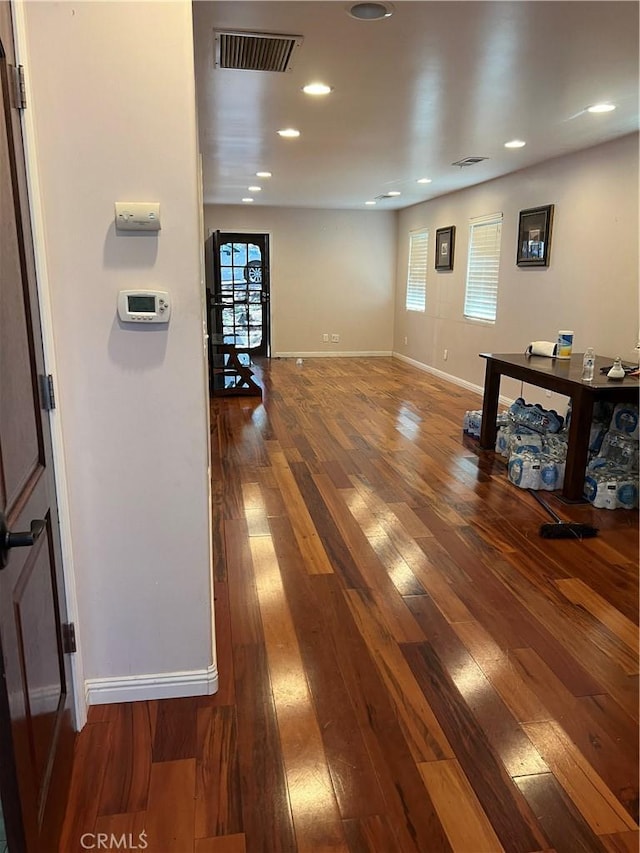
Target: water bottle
588	362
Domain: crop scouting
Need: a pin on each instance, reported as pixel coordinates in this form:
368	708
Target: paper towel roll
547	348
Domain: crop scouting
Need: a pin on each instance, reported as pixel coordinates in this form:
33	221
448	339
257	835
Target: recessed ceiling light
247	200
316	89
263	174
423	181
601	108
370	202
515	143
394	192
371	11
289	133
254	189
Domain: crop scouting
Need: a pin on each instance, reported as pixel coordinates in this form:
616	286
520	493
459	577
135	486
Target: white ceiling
432	84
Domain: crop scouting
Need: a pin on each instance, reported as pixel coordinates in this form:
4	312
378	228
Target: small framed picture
534	236
445	239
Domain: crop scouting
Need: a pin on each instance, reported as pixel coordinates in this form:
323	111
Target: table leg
490	407
578	447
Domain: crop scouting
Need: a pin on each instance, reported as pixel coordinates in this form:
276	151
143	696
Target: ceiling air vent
247	51
469	161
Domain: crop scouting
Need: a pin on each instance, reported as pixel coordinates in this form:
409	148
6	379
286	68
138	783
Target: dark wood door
36	727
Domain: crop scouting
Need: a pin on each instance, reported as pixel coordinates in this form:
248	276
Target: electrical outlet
335	339
548	393
406	340
445	354
325	338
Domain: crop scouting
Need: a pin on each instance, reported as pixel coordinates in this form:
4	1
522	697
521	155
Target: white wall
591	285
332	271
113	113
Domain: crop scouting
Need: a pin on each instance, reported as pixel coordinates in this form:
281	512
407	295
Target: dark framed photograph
445	239
534	236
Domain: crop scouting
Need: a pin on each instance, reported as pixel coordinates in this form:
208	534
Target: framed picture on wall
445	239
534	236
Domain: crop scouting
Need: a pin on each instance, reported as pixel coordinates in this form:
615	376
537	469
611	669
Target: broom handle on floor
546	506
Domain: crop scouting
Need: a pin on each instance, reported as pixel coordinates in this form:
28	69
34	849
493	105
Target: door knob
24	539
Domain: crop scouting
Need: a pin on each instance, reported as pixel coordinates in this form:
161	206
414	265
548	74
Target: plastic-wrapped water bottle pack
534	441
530	438
472	422
533	416
529	470
611	479
611	488
625	420
620	451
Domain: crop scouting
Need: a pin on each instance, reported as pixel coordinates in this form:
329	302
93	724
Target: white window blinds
481	294
417	274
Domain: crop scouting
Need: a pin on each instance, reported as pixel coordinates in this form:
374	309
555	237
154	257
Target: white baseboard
165	685
364	354
456	380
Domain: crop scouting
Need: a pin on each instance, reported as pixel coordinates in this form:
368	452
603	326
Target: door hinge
47	394
68	638
19	88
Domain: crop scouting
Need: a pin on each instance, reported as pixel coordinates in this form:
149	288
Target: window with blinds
417	273
481	294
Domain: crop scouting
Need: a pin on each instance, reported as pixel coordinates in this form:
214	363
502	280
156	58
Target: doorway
238	281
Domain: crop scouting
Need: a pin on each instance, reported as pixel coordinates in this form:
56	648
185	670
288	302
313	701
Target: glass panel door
241	293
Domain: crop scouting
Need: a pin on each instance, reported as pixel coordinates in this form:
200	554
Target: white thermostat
144	306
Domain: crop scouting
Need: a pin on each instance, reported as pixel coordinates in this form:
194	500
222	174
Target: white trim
48	342
163	685
205	363
448	377
364	354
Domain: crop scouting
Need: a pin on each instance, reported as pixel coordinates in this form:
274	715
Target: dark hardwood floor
405	665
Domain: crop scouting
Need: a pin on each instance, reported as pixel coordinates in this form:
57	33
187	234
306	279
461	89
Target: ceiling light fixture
289	133
263	174
317	89
247	200
601	108
515	143
423	181
370	11
370	202
394	193
254	189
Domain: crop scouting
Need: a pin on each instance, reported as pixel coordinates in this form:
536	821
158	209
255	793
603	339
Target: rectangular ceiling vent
246	51
469	161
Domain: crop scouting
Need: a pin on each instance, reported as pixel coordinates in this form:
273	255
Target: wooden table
564	377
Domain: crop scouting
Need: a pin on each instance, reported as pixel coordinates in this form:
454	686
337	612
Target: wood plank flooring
405	665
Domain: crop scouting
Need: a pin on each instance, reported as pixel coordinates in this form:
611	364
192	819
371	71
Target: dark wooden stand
229	376
564	376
